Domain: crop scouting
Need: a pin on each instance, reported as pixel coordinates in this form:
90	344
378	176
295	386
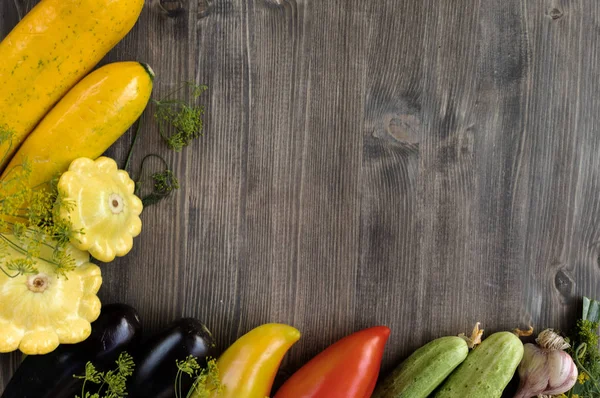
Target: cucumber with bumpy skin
487	370
425	369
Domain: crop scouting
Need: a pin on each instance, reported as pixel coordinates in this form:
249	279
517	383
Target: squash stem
135	137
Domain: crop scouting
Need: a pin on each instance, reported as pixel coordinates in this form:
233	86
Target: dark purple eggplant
117	329
155	361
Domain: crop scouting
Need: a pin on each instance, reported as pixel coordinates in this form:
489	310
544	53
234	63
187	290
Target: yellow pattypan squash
104	208
42	310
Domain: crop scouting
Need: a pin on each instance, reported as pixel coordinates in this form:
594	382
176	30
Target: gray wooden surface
421	164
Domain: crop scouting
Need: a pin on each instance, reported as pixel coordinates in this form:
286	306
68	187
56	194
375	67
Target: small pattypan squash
102	207
39	311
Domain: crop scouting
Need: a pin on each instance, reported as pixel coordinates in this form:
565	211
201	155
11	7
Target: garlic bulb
546	369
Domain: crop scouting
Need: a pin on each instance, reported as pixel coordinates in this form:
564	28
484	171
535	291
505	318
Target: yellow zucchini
86	121
49	51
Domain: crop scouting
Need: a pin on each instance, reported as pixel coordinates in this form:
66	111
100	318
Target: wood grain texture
419	164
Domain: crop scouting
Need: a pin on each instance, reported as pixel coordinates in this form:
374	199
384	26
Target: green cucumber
425	369
487	370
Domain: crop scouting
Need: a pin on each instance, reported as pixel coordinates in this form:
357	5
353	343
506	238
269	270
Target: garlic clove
562	373
532	372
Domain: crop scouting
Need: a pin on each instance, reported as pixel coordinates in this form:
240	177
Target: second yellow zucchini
86	122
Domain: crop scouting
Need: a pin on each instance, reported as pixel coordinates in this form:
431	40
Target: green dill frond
62	231
208	381
63	261
32	216
164	182
26	166
584	350
178	122
6	134
188	366
197	89
19	230
114	380
125	364
91	374
21	266
116	384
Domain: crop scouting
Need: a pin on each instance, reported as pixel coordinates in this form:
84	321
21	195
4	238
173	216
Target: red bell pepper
346	369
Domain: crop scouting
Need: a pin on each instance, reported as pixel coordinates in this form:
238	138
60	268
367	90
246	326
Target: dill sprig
29	221
113	382
179	123
163	182
584	350
206	380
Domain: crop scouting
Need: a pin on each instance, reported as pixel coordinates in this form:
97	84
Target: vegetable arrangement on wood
62	203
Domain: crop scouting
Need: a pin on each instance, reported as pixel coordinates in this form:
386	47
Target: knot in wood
203	9
555	13
172	8
565	285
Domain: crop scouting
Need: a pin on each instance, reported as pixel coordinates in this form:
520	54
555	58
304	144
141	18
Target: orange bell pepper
247	368
346	369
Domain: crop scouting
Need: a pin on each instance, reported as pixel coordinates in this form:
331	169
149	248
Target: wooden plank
473	109
561	138
216	175
329	209
390	277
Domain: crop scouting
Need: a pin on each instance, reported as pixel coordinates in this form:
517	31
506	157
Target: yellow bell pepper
102	206
40	311
247	368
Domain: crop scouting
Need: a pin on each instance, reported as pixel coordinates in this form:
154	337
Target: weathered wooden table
422	164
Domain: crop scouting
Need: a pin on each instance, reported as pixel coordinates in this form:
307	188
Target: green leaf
591	310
